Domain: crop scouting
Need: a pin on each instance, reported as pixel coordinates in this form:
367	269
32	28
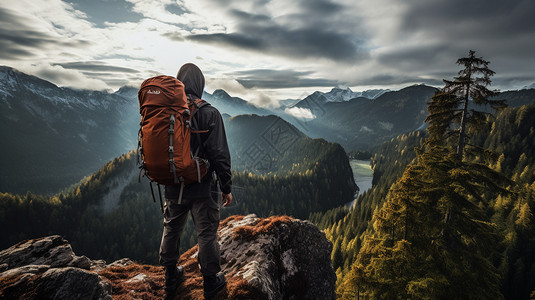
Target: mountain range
232	106
342	95
58	135
362	123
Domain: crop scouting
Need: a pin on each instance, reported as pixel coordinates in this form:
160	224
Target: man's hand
226	199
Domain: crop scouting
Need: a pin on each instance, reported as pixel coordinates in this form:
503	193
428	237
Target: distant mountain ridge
343	95
58	134
233	106
362	123
65	134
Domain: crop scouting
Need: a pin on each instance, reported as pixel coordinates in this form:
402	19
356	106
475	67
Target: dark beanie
192	78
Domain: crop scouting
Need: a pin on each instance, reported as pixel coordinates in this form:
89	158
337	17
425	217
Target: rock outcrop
271	258
47	268
278	257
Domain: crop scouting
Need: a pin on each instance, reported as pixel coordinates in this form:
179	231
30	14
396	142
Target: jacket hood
192	78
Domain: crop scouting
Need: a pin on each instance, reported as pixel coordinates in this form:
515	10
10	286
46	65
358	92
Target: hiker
201	199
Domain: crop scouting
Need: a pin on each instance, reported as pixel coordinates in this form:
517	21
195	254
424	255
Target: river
363	175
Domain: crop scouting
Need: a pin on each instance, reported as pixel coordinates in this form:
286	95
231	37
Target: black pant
205	214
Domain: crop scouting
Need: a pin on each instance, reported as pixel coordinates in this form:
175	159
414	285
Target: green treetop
450	105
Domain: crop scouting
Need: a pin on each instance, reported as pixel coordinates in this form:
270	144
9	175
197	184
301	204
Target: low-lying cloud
300	113
67	77
236	89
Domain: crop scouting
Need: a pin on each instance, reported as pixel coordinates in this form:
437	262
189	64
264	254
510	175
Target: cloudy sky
267	50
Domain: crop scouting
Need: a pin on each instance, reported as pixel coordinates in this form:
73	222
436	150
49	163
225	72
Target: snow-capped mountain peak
37	91
340	95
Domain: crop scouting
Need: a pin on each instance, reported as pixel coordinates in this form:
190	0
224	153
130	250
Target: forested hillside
344	228
506	218
110	215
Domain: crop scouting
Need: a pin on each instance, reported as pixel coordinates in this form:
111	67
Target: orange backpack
164	137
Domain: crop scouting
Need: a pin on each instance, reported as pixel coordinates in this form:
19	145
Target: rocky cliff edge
272	258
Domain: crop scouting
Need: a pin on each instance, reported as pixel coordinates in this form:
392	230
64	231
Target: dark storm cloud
13	53
436	33
250	18
95	66
25	38
321	6
495	16
490	26
299	43
313	32
273	79
417	56
15	39
18	40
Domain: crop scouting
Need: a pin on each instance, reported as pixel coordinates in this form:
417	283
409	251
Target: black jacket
214	146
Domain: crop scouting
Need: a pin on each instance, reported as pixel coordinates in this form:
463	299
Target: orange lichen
118	276
9	290
239	288
263	226
230	219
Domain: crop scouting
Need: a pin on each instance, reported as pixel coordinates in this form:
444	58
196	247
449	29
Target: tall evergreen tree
451	106
431	239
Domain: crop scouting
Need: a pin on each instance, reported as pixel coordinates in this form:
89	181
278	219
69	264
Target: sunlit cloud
300	113
267	50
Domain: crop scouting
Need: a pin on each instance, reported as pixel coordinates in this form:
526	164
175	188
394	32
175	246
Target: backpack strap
198	104
171	149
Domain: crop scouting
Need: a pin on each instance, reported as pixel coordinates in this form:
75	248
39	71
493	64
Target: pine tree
451	106
431	239
524	216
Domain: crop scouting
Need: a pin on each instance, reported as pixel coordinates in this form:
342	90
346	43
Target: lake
363	174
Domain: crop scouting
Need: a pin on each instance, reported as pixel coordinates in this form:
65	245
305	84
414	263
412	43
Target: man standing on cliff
201	199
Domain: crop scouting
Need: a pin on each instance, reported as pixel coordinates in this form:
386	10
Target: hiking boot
213	284
173	277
